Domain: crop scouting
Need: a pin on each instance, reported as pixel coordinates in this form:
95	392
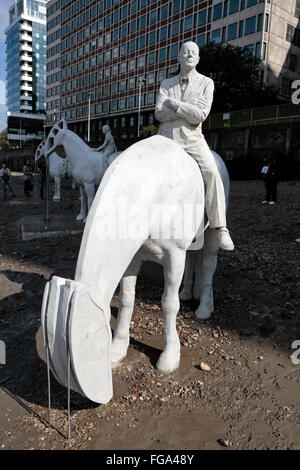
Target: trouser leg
215	203
268	192
274	192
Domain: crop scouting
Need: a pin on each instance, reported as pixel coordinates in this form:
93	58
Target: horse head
40	151
55	136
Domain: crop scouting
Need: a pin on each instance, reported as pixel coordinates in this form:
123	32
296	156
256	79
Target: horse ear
62	124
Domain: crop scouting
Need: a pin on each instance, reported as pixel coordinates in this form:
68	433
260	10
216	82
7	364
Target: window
297	8
260	22
258	50
201	40
188	23
162	54
232	31
250	25
290	33
233	6
202	18
251	3
241	28
217	13
216	36
267	22
175	28
293	63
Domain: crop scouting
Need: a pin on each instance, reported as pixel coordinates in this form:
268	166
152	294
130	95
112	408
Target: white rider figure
184	102
109	146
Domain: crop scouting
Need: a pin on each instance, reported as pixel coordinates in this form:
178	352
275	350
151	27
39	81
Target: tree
238	78
4	144
151	129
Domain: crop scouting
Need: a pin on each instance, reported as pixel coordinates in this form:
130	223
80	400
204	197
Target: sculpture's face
189	55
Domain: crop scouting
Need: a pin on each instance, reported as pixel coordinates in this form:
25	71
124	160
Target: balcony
25	107
26	48
25	27
26	58
25	87
26	97
25	37
26	78
26	68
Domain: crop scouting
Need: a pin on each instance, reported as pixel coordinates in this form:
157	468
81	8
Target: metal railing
254	117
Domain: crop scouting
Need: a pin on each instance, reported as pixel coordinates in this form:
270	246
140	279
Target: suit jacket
184	125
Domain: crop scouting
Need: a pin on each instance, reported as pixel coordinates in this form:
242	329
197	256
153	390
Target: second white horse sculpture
58	167
87	166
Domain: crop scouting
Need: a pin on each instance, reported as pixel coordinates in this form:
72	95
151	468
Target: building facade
26	70
106	58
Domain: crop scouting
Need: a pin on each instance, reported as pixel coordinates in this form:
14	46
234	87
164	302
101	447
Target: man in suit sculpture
183	103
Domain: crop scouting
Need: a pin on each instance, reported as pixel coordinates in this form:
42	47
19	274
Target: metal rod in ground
47	192
69	398
49	387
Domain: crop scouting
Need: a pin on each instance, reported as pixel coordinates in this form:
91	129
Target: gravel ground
249	397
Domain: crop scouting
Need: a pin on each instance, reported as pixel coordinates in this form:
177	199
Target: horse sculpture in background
87	166
58	167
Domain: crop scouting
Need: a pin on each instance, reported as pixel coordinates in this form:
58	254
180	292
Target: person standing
28	177
183	103
272	178
5	174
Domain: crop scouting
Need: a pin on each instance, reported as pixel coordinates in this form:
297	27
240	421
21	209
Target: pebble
224	442
205	367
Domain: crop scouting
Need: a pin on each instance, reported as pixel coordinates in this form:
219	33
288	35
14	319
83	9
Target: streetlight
141	80
90	95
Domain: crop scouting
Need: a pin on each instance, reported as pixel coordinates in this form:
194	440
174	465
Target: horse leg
120	340
209	264
186	292
90	192
82	214
57	180
173	272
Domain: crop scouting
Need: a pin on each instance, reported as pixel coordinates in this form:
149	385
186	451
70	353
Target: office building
106	58
26	70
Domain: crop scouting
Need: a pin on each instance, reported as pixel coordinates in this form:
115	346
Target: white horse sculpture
140	199
58	167
87	166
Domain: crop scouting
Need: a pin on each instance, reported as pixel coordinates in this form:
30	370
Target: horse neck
74	146
102	259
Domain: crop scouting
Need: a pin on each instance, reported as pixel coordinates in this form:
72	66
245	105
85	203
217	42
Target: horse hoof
166	365
80	217
185	295
203	313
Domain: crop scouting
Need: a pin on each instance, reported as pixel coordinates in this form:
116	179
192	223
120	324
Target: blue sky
4	5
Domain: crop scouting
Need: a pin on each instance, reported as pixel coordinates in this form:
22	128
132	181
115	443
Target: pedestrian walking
5	174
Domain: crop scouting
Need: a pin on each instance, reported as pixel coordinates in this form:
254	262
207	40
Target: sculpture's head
40	151
189	56
55	136
105	129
